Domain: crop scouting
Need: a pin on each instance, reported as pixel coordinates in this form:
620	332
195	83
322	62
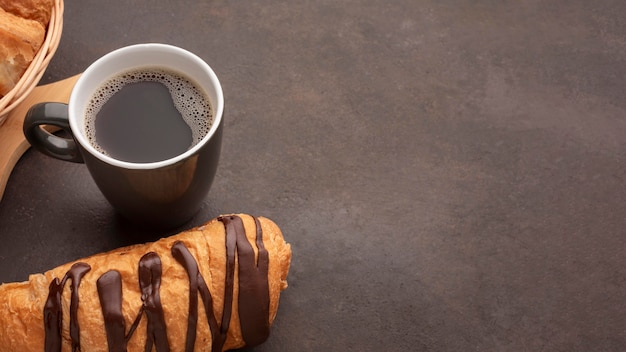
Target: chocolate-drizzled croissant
212	288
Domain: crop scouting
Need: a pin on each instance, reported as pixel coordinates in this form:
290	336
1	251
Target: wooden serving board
12	141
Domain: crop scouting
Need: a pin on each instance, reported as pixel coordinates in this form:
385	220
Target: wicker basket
36	69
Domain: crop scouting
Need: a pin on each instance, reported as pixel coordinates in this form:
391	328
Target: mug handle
55	114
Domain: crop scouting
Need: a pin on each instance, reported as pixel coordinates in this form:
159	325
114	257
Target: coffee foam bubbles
193	104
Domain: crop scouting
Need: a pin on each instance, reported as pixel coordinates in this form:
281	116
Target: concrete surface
451	174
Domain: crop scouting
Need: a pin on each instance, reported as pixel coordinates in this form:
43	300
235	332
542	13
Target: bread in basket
30	31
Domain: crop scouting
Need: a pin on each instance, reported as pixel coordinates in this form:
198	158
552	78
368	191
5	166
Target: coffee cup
151	150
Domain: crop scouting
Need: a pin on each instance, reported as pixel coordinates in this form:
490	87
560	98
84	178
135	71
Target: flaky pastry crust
23	25
38	10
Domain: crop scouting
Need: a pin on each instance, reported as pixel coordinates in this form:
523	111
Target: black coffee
147	115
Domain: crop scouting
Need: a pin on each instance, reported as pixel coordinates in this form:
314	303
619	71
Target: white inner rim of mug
135	56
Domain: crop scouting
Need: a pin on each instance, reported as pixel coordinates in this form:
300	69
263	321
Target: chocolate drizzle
197	285
53	311
253	287
253	300
150	283
110	294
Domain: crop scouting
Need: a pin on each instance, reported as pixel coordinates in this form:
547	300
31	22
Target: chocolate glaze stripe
150	271
53	311
253	286
110	293
253	300
52	317
196	285
77	271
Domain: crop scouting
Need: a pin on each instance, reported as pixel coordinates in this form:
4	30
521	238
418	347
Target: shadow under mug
163	194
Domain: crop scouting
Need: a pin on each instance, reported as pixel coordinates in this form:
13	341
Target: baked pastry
38	10
212	288
23	26
20	39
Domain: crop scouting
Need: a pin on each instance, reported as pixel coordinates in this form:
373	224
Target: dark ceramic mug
165	193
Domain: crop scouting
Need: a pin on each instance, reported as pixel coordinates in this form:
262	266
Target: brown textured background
451	174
